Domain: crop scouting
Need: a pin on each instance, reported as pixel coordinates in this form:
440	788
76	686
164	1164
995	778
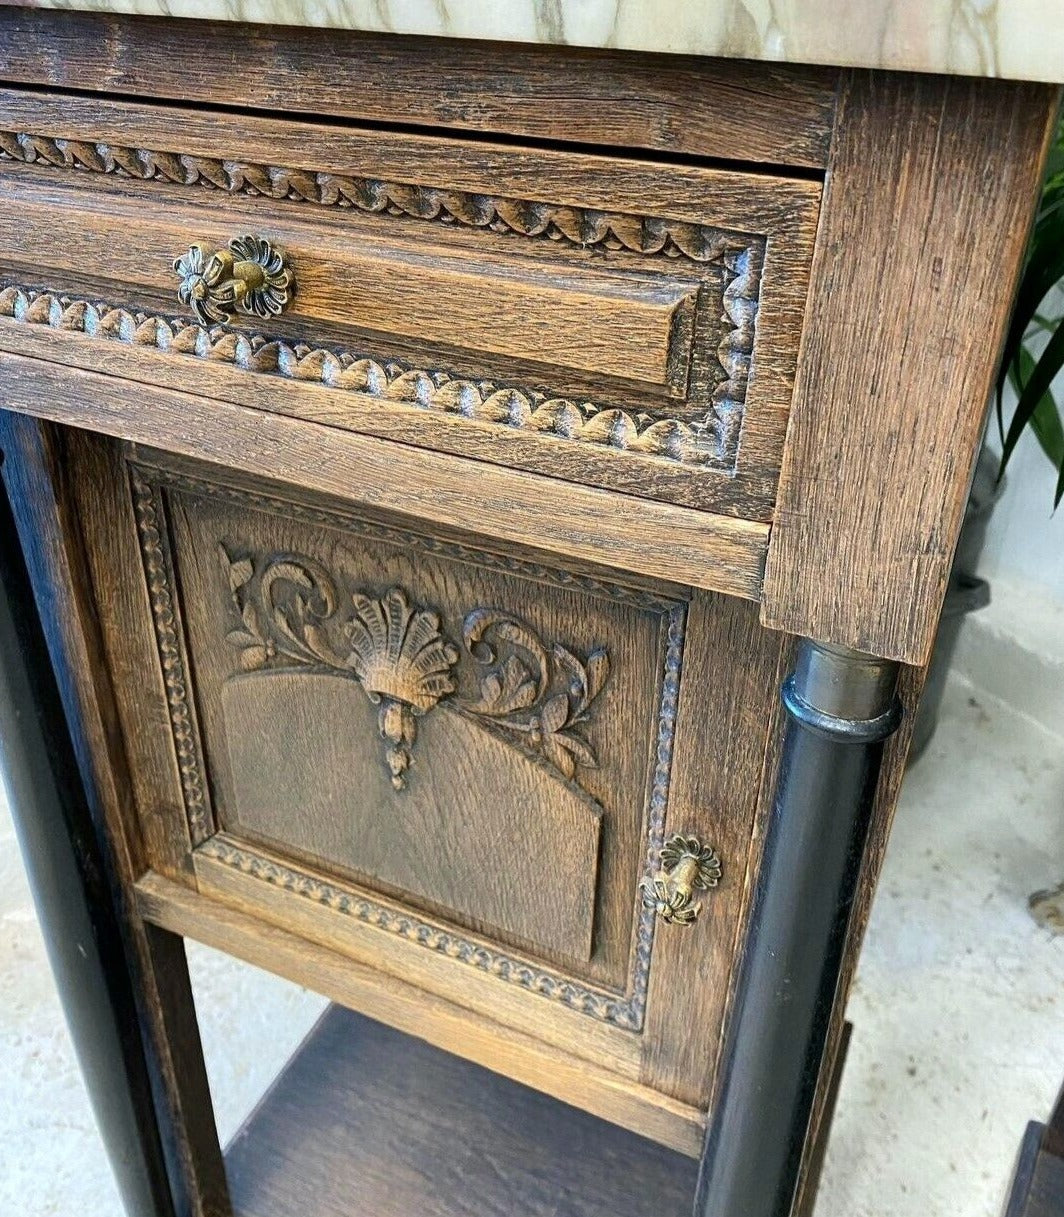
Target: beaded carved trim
158	574
393	382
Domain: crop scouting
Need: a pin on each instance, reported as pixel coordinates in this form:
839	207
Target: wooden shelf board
367	1122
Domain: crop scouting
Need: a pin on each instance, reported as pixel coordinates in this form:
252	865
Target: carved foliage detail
293	614
542	696
259	647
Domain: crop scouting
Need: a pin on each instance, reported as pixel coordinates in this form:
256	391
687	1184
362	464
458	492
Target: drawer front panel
626	325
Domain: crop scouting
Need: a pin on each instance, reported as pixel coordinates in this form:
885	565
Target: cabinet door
445	762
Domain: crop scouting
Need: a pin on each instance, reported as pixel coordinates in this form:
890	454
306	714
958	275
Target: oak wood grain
223	372
520	806
727	697
163	732
917	257
681	546
300	833
175	1028
674	104
391	1000
626	326
752	201
97	485
520	860
917	249
484	998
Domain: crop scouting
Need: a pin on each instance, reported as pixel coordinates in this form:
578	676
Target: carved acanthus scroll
263	646
540	695
293	613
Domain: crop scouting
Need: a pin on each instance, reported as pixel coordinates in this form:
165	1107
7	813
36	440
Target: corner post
70	891
842	706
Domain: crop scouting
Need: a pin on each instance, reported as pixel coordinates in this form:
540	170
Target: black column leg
841	707
70	891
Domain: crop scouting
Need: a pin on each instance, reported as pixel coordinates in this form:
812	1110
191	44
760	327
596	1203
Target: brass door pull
250	276
687	866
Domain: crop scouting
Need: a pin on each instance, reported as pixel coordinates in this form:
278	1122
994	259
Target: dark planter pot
966	593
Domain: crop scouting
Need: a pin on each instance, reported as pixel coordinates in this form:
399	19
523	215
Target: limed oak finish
420	490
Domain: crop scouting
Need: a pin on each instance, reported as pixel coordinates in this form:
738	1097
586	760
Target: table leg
841	707
70	891
1038	1182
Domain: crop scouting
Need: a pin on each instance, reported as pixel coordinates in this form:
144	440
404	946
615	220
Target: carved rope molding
578	226
627	1012
394	382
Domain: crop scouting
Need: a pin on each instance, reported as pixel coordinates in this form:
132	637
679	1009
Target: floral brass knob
250	276
687	866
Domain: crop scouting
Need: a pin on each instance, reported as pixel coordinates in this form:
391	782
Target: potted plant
1032	360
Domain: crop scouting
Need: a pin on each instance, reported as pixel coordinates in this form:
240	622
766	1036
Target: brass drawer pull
687	866
250	276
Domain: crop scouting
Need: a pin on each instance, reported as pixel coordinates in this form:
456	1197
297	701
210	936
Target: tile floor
959	1002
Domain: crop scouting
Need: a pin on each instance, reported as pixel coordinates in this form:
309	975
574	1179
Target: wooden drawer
448	765
616	323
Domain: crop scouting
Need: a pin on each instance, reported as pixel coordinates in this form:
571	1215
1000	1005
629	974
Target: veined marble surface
1022	39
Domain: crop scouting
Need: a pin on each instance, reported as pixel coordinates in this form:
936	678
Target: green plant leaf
1045	421
1044	265
1047	428
1044	270
1050	207
1037	316
1033	376
1047	365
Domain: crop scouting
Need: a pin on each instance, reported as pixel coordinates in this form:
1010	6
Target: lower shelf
368	1122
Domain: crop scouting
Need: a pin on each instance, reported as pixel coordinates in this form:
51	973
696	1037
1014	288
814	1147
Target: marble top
1021	39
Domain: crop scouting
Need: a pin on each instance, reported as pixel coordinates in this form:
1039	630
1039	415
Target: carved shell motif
541	696
404	663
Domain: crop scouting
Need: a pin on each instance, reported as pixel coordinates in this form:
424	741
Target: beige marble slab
1023	39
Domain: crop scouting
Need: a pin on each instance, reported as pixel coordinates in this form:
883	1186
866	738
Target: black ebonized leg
1038	1182
70	891
841	707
